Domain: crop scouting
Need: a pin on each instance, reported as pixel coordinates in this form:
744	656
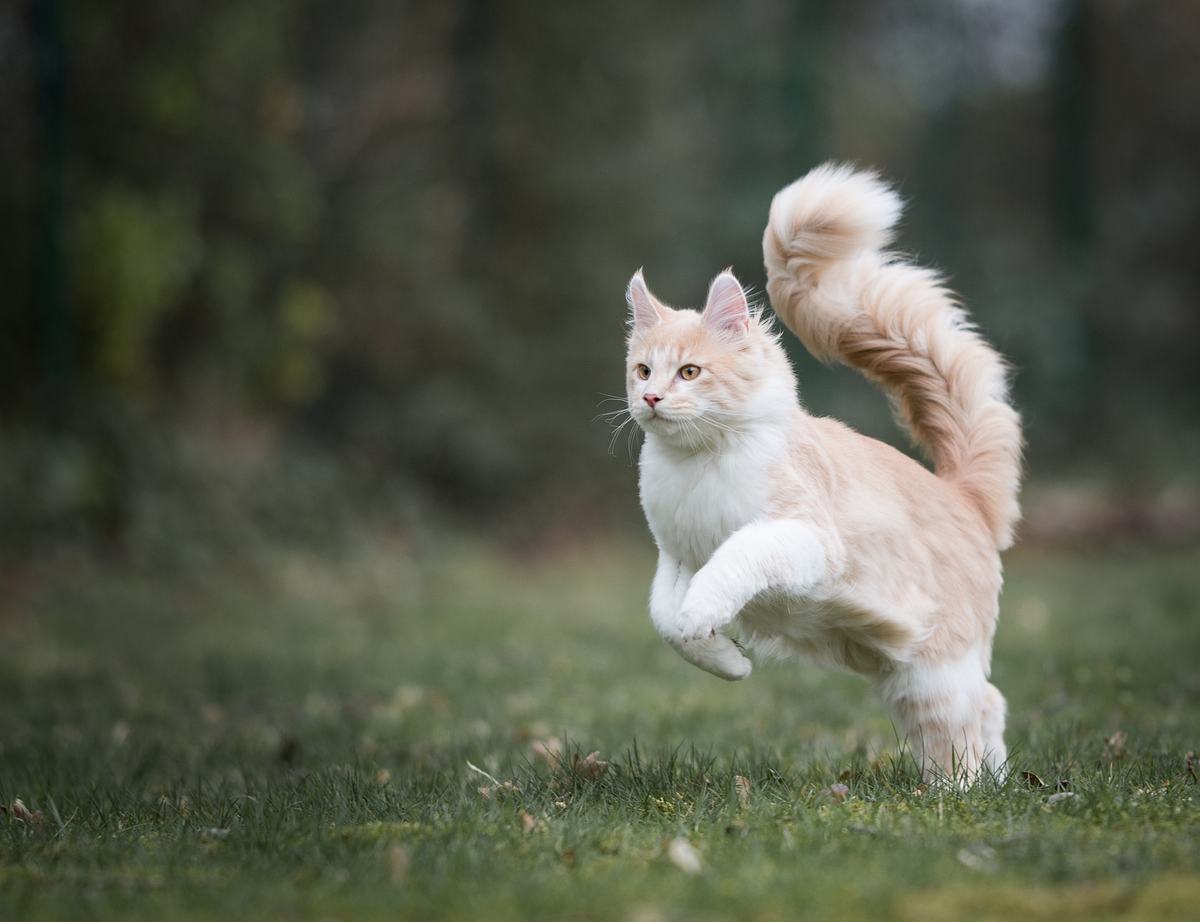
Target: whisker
612	442
610	414
632	440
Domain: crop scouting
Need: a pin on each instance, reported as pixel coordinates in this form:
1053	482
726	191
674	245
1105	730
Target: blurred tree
399	232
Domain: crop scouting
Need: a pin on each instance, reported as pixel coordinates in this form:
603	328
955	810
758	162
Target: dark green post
54	321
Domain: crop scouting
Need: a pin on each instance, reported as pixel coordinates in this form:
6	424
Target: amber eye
689	372
643	372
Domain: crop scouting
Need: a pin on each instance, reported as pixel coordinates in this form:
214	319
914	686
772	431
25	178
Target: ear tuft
644	309
727	310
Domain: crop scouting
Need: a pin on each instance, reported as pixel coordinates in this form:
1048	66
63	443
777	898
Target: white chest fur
695	500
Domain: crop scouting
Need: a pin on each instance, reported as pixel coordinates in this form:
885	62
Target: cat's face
694	378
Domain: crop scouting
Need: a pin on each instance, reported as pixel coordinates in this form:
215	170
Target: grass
290	739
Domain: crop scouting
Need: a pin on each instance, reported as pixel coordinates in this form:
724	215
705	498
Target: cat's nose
651	399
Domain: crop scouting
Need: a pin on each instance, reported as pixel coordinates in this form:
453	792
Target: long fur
831	282
797	533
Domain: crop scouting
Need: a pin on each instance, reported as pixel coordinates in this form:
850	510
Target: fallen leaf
590	766
548	751
742	785
979	857
528	821
1033	780
500	789
1059	797
214	832
684	856
22	813
397	861
839	792
1114	746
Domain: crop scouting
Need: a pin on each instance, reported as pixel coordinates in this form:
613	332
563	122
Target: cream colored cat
798	533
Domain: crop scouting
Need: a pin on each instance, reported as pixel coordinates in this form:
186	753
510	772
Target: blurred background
285	271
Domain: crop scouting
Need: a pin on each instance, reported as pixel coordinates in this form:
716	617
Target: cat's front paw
715	653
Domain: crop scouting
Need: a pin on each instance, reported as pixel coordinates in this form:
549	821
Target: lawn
376	733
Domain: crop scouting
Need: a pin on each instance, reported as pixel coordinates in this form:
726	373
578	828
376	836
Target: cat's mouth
656	417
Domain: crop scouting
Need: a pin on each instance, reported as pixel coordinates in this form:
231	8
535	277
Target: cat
801	535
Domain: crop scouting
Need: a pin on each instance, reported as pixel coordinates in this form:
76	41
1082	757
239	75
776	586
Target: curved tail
831	282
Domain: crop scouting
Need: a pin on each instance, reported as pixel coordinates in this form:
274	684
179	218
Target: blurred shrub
134	258
160	498
396	234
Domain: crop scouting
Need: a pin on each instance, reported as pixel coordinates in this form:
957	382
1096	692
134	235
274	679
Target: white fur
798	533
952	693
695	499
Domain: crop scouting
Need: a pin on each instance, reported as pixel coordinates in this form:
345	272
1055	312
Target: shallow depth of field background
308	313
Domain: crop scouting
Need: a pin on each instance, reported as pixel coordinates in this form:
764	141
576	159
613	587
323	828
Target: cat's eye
689	372
643	372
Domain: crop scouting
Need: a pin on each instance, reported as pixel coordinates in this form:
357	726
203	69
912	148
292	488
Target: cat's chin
659	424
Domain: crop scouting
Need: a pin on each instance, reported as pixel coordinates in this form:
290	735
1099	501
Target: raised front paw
715	653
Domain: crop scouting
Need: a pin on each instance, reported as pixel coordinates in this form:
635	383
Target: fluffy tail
834	286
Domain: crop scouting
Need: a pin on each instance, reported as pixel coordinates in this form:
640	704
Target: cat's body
797	533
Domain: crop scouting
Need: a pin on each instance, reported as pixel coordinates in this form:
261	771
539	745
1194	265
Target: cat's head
695	378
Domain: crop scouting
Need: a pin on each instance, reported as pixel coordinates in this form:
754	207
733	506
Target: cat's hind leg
995	753
941	711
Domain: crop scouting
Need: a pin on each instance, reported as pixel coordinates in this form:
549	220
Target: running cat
798	534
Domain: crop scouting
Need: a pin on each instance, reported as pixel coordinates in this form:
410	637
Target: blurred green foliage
395	235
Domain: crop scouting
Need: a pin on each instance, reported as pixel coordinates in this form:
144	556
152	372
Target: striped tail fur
833	284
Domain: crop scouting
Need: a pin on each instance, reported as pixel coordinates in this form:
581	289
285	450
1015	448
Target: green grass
290	739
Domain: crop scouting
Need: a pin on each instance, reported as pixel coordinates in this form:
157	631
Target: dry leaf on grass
499	790
18	811
1059	797
838	792
742	785
1033	780
548	751
528	821
590	766
1114	746
684	856
978	857
497	787
397	861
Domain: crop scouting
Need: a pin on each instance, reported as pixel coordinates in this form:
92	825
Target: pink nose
651	399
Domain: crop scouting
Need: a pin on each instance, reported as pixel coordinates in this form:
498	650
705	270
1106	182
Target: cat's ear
644	309
727	310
